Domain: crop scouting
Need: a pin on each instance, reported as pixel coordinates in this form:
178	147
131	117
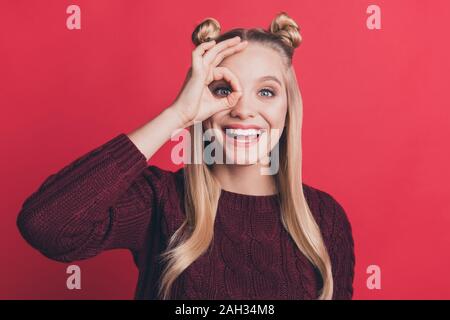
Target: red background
375	132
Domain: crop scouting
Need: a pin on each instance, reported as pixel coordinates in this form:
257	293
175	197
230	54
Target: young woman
217	230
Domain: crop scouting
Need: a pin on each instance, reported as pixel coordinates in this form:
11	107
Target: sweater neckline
246	202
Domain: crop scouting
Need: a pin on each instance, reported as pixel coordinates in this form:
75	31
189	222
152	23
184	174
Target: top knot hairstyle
282	34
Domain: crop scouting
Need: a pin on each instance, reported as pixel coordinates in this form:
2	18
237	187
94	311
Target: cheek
275	114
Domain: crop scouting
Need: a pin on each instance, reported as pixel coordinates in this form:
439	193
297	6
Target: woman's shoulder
161	174
328	211
164	180
168	189
336	230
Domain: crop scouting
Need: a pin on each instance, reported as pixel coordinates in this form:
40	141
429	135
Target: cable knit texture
111	198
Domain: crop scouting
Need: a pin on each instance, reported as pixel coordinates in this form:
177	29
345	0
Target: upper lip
241	126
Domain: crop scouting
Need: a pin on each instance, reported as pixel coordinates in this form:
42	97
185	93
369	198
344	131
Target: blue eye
220	89
268	91
226	91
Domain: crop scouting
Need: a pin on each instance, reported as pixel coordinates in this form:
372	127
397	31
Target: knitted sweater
111	198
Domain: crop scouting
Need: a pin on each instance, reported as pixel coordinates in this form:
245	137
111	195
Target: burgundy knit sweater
111	198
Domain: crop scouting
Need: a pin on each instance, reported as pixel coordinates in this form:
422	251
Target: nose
243	109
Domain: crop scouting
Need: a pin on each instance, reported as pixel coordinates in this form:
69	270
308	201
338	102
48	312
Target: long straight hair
202	190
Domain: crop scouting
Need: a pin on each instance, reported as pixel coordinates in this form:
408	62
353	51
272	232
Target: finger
203	47
232	99
197	53
228	52
211	54
225	73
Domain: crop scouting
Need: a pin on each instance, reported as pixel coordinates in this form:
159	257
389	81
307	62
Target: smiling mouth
243	136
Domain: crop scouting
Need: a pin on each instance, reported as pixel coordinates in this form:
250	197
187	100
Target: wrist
181	120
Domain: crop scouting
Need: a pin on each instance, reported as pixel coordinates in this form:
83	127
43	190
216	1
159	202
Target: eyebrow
271	78
264	78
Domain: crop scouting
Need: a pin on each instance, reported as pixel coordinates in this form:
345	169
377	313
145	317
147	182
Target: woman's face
250	129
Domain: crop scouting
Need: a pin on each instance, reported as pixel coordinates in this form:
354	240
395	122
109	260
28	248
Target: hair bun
286	28
207	30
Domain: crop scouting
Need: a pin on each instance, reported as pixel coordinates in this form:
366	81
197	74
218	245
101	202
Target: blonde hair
202	190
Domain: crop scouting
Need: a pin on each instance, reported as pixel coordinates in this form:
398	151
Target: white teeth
242	132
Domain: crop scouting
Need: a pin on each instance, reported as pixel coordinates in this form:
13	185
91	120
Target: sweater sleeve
102	200
342	253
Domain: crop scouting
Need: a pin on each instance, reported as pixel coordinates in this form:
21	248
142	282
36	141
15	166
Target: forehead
255	61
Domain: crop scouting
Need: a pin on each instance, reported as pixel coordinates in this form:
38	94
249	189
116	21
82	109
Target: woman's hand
195	102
